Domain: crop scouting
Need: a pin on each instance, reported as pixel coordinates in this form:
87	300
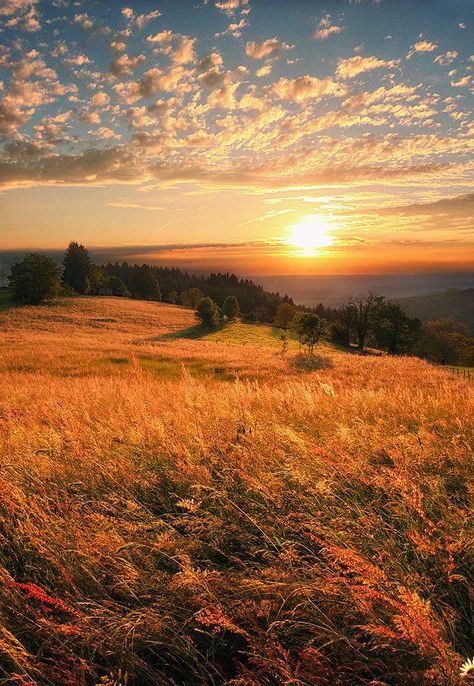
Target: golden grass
104	336
285	528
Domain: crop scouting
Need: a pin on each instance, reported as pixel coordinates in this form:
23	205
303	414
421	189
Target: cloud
234	29
269	48
230	6
123	65
326	28
264	71
100	99
143	19
84	21
353	66
459	205
121	164
10	7
76	61
462	82
23	14
91	167
179	47
447	58
104	132
129	205
305	87
420	47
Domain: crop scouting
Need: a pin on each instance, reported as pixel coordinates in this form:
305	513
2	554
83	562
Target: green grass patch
169	368
237	333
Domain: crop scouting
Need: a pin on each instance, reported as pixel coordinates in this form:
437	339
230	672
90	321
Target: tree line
371	321
363	321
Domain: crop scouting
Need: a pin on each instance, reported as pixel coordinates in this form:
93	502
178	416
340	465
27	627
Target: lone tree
35	279
230	308
172	297
310	329
77	268
207	313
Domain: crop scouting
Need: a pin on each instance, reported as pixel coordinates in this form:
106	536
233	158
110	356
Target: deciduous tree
310	329
35	279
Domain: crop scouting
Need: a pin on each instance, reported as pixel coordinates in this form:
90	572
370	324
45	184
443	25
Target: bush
250	318
35	279
207	313
230	308
338	333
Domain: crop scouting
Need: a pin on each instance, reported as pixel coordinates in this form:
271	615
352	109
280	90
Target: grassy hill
188	508
453	304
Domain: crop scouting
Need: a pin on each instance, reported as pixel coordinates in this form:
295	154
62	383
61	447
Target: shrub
230	308
250	318
207	313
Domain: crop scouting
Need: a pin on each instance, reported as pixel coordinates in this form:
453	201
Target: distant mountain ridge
333	290
452	303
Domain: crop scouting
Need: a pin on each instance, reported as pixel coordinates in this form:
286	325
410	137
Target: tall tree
77	267
35	279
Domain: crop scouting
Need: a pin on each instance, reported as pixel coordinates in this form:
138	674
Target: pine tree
77	267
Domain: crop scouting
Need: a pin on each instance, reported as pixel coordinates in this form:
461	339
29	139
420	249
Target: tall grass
308	528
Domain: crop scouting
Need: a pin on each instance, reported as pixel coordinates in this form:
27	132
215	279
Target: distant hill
333	290
455	303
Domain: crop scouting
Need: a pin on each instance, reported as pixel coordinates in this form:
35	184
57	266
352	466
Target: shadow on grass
310	363
194	332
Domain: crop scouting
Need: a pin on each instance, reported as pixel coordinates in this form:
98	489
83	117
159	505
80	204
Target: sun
310	233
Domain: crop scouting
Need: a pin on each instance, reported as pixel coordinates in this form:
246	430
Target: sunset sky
262	136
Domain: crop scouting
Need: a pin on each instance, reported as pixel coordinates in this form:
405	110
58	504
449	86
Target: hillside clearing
158	526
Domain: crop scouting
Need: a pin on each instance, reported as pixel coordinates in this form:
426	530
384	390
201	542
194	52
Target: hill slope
161	524
453	304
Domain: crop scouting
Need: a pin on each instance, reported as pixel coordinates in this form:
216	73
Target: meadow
183	508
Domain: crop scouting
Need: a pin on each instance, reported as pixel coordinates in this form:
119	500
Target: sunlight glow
310	233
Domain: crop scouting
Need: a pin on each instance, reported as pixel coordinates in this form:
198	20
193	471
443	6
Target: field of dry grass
165	523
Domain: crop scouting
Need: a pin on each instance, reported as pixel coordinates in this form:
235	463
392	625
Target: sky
261	136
